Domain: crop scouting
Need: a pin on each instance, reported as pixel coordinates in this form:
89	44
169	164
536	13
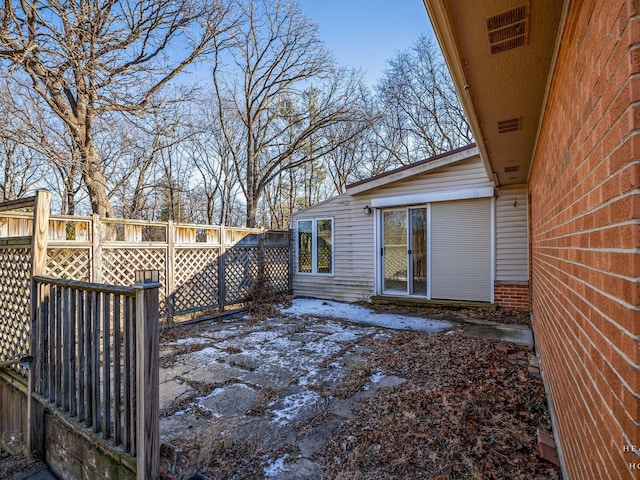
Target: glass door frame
380	264
384	253
412	249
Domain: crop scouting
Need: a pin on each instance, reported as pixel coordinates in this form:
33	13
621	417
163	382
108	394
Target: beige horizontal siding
512	250
466	174
353	278
354	274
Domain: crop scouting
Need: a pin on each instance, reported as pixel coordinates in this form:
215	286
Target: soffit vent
510	125
514	168
508	30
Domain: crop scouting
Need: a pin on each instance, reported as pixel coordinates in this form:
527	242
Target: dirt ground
463	408
469	410
12	465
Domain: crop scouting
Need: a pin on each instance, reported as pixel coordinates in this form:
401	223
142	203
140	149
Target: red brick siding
511	297
584	239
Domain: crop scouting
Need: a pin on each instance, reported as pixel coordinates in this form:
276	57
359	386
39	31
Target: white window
314	240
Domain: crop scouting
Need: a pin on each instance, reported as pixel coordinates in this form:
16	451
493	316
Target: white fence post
96	250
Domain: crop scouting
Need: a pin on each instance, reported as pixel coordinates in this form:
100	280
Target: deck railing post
148	376
291	243
262	279
39	239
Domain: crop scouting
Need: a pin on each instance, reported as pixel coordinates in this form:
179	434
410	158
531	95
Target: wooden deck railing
89	350
97	360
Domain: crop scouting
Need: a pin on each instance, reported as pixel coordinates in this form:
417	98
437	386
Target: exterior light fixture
367	210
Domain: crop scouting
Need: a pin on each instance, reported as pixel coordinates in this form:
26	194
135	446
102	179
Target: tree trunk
68	198
95	182
252	211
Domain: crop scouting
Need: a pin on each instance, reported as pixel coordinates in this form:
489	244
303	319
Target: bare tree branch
85	58
276	95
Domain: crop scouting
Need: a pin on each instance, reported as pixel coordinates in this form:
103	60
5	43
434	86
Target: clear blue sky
365	34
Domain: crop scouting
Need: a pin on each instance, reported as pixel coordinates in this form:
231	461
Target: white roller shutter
461	250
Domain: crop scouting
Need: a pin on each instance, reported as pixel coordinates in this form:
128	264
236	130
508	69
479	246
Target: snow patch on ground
260	337
276	467
189	341
214	393
344	336
363	315
206	355
293	405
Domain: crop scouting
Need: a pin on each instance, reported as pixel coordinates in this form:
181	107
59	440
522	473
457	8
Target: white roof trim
412	170
429	197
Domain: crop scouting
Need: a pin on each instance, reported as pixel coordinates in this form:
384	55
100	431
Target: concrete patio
271	385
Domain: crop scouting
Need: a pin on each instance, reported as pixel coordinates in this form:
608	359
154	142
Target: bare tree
23	166
212	157
423	116
86	58
137	152
361	155
276	63
21	170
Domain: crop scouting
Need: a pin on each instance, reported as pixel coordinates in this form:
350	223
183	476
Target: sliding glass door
394	241
404	251
418	251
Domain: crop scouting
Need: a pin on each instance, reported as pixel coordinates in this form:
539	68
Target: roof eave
443	29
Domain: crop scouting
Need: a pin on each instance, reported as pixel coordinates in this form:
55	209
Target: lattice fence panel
120	264
241	273
15	322
395	262
69	263
276	268
324	259
196	279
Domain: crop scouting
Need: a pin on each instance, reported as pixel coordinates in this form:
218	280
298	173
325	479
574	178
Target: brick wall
511	297
585	238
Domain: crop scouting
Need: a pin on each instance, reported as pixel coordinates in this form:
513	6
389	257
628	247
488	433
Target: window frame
314	246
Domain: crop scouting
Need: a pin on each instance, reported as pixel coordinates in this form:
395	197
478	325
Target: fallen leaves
467	411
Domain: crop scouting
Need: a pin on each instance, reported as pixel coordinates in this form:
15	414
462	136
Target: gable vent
515	168
510	125
508	30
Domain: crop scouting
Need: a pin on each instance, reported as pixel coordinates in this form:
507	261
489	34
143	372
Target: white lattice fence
110	251
70	263
120	263
15	322
196	279
395	262
241	273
